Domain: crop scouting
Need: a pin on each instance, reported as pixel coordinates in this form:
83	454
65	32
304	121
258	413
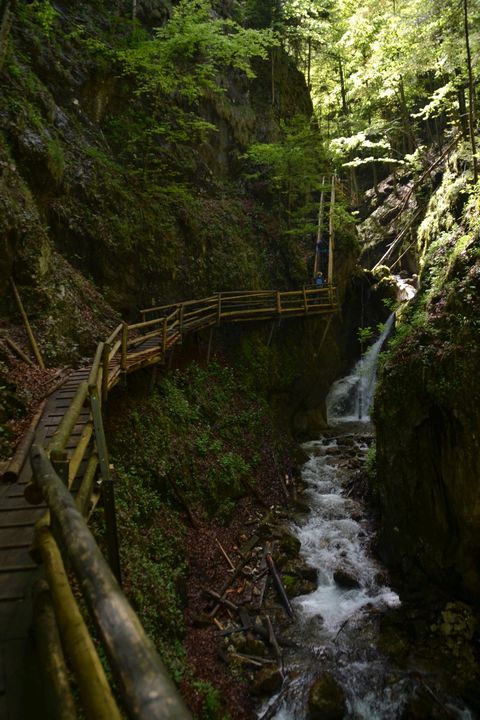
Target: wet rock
332	451
308	573
381	578
254	646
302	506
424	706
267	681
288	543
393	644
326	699
295	585
345	579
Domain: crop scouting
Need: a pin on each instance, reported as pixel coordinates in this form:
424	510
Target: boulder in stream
267	681
345	578
326	699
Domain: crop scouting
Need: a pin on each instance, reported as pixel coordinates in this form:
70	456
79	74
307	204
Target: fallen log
264	573
222	550
28	328
253	659
14	347
20	455
228	583
274	643
279	586
223	601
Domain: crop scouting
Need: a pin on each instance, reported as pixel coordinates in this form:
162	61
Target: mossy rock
295	585
326	699
267	681
288	543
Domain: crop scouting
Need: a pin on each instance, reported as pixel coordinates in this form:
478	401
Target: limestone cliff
101	209
427	409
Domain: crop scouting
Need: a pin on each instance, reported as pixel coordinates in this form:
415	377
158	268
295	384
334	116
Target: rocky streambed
355	650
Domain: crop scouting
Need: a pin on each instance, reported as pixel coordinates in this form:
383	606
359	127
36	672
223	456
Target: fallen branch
28	328
228	583
279	586
222	550
273	642
17	462
13	346
253	659
223	601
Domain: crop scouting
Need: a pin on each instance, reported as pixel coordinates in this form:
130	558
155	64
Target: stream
337	627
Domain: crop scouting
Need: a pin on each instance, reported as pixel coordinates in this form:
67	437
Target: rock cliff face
96	214
73	180
427	410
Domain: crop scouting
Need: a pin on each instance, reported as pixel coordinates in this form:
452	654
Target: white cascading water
336	627
350	398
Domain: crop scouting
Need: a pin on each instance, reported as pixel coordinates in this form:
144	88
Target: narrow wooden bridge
38	511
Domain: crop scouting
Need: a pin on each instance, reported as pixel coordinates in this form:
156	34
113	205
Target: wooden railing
63	540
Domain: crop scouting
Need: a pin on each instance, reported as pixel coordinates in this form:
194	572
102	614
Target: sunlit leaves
184	57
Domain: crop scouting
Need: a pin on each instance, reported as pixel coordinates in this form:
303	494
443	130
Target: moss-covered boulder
326	699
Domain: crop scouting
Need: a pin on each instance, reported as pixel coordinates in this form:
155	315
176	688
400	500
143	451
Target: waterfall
350	398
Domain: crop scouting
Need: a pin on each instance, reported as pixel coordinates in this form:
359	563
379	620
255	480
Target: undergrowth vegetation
186	452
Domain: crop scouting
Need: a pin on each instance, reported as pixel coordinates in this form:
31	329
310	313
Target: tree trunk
342	87
471	110
309	64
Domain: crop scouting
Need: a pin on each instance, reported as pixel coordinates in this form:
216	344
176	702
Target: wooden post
58	696
61	464
305	300
28	328
210	339
108	493
153	378
279	303
270	335
85	491
123	362
164	340
105	362
320	229
331	242
93	685
142	679
180	321
219	309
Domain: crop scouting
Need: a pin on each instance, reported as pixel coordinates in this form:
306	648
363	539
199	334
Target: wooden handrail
68	421
144	683
146	689
113	336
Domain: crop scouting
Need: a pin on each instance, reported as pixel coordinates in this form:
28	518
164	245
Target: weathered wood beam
93	686
59	698
28	328
146	688
20	455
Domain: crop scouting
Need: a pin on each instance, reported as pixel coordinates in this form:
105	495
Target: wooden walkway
128	349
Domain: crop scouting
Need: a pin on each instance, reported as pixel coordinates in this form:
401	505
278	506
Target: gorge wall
427	407
103	212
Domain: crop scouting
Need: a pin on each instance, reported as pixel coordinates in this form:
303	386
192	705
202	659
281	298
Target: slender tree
471	108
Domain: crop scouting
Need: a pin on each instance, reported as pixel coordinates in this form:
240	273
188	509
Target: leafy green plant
56	159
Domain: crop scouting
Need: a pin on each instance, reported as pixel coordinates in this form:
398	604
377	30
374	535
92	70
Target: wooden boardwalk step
13	597
15	545
17	568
